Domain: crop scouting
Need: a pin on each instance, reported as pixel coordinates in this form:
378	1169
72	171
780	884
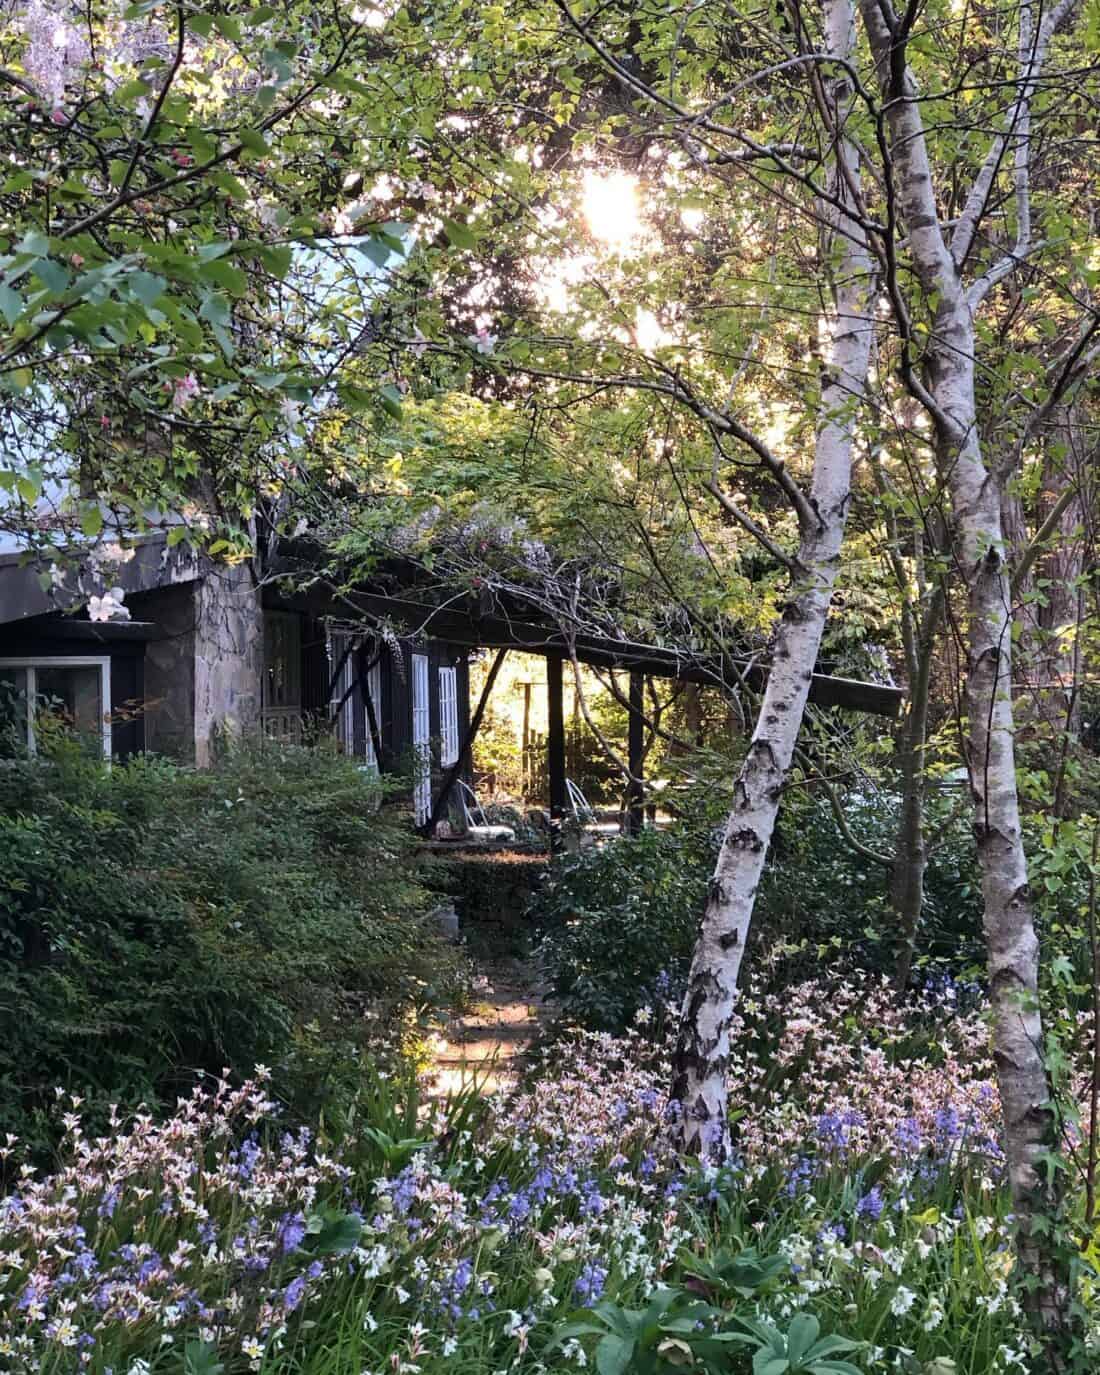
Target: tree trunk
911	851
976	504
702	1051
1047	599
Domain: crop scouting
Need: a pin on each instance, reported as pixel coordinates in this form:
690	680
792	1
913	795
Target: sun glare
611	208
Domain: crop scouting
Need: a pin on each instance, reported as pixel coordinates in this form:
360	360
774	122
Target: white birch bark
976	505
702	1053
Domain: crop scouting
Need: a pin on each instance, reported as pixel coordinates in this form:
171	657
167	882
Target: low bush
620	921
157	921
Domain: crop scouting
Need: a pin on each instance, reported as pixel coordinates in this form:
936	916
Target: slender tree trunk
702	1052
976	504
911	850
1047	599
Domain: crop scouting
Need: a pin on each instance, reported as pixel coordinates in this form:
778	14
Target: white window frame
342	697
448	717
372	688
421	738
31	664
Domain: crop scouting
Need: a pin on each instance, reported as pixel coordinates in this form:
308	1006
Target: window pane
13	712
70	697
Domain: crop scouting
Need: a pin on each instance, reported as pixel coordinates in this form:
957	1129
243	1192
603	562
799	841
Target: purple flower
870	1205
292	1232
907	1136
590	1283
292	1294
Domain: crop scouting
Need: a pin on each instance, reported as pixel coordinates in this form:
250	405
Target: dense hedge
157	921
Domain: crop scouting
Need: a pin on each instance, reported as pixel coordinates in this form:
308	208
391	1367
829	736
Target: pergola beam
494	631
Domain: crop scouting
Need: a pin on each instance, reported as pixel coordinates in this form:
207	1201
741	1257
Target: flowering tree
184	273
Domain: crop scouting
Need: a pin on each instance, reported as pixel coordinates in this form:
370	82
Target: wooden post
635	723
463	759
555	747
525	755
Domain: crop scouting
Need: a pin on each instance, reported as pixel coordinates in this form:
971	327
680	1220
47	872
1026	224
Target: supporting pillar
464	754
555	747
229	658
635	790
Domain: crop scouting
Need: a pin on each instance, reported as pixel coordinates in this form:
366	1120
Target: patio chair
478	826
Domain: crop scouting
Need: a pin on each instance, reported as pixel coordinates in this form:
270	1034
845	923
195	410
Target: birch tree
946	385
702	1051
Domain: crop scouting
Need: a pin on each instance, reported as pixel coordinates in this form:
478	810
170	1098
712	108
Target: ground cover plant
156	922
864	1224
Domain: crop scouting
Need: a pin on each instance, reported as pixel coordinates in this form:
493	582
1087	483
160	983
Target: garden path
486	1044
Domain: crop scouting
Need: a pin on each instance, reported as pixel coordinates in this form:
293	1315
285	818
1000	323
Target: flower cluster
868	1164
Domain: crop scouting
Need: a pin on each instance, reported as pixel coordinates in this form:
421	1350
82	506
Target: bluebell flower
292	1232
590	1283
870	1206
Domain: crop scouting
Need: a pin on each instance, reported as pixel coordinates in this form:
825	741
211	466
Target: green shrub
620	922
157	921
817	891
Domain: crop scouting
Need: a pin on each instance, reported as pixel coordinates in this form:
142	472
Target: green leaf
34	244
228	27
228	183
201	1358
461	235
613	1354
91	521
225	275
277	259
332	1233
216	309
147	287
218	249
52	276
254	142
131	91
202	24
11	304
801	1335
391	401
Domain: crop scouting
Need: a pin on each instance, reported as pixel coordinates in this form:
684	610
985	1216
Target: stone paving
486	1044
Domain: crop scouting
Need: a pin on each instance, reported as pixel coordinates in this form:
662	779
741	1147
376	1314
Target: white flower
482	342
109	607
902	1301
933	1315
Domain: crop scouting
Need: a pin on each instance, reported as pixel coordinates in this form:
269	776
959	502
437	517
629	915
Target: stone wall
229	655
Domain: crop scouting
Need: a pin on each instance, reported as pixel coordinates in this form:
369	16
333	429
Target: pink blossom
483	342
184	391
